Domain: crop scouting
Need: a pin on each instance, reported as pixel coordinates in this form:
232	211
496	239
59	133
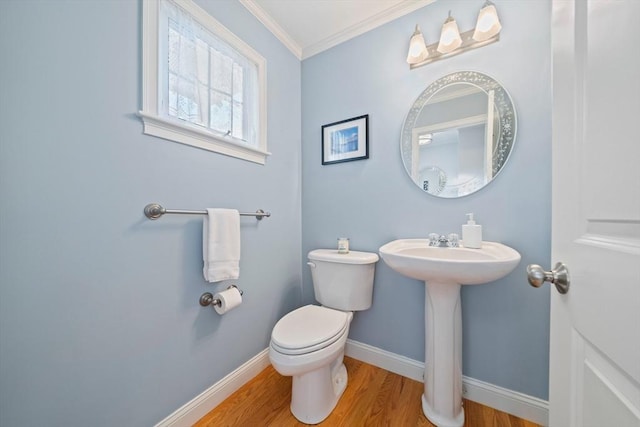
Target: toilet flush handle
310	264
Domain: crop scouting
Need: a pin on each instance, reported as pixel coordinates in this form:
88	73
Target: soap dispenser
471	233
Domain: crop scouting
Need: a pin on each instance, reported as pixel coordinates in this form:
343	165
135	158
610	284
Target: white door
595	327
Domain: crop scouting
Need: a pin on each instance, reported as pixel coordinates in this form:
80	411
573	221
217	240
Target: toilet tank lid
353	257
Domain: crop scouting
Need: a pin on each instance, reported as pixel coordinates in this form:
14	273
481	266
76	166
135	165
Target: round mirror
458	134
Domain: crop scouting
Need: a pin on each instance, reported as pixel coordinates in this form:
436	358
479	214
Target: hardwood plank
397	403
354	406
373	397
251	399
501	419
476	414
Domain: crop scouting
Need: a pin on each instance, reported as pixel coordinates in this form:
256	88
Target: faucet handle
433	239
454	241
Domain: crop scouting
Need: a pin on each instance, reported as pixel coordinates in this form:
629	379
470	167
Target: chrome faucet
440	241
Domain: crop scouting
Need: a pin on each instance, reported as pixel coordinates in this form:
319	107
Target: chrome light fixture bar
452	42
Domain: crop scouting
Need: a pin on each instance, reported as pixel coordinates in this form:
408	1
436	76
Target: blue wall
99	317
505	324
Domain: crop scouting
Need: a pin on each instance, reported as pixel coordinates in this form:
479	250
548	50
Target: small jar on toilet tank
343	245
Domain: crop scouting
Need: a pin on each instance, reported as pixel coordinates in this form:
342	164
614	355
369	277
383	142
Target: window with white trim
202	85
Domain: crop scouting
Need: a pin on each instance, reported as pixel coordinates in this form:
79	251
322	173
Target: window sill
184	134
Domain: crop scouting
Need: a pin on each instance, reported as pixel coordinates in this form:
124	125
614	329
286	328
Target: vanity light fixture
452	42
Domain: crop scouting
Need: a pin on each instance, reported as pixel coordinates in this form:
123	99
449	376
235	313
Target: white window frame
173	129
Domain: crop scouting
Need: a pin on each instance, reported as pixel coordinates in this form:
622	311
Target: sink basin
443	271
416	259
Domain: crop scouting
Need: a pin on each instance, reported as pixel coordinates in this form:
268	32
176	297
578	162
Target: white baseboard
391	362
512	402
509	401
202	404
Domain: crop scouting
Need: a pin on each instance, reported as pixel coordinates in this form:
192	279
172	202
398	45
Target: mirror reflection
458	134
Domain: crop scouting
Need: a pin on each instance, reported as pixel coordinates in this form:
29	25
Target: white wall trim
273	26
512	402
202	404
392	362
509	401
362	27
183	133
304	52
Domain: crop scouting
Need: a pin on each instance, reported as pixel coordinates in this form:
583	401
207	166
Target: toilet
308	343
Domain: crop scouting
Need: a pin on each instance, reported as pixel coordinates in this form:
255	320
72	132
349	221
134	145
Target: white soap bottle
471	234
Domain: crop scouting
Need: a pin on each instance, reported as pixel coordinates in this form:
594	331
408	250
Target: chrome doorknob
559	276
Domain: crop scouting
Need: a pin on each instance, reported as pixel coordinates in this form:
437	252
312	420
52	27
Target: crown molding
273	26
362	27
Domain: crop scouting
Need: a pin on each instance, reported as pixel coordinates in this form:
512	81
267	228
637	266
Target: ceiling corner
273	26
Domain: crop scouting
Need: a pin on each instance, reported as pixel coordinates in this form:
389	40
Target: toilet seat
308	329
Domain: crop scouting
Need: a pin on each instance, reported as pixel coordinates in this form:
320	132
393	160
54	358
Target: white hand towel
221	245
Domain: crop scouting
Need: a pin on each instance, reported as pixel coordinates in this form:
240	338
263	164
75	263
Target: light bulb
417	48
450	38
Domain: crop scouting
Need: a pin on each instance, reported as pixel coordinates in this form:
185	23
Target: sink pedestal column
442	398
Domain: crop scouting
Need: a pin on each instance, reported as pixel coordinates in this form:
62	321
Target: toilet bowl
314	359
308	343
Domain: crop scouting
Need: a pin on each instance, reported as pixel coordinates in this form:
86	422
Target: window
202	85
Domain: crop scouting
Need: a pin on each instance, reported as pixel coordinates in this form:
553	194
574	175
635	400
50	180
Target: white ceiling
308	27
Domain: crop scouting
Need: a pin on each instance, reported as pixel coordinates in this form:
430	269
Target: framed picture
346	140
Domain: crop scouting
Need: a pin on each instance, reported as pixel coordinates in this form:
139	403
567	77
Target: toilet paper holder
207	298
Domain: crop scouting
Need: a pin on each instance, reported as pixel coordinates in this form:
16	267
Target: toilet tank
343	281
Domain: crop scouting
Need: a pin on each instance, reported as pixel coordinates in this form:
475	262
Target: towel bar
155	211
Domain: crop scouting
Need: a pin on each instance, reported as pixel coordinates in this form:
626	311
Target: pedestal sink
444	270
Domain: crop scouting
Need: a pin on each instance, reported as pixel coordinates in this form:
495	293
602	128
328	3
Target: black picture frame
346	140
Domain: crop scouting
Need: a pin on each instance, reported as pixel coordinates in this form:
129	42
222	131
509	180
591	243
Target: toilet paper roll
229	299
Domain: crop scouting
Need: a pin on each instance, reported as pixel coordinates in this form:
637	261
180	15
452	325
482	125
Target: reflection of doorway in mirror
460	152
489	136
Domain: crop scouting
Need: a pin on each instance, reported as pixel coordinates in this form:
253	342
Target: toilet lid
308	329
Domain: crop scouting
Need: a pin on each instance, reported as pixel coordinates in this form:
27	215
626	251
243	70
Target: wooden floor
374	397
